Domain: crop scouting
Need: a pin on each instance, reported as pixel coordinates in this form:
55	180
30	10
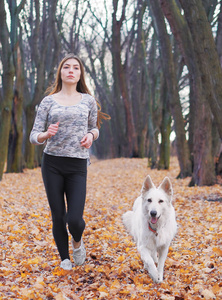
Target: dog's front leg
163	251
149	263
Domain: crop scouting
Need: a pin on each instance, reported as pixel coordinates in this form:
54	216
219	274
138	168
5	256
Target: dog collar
152	229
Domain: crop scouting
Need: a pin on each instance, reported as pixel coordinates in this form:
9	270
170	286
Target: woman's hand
87	140
51	131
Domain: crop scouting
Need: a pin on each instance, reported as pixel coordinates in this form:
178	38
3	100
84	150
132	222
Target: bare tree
200	119
8	41
134	69
125	88
43	54
207	55
172	87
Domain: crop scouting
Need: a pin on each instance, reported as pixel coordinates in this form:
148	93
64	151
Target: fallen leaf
30	263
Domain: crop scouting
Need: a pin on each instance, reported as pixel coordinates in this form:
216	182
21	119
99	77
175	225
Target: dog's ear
147	185
167	187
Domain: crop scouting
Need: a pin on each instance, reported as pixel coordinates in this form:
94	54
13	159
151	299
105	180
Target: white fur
153	248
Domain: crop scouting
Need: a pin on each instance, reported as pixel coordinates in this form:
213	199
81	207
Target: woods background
154	65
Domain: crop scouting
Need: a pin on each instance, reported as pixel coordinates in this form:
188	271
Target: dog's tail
127	220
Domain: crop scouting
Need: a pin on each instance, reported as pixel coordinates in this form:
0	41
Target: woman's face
70	71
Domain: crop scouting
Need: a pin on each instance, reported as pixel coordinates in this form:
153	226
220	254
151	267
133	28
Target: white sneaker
66	264
79	254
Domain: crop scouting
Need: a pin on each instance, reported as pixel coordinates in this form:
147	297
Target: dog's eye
161	201
149	200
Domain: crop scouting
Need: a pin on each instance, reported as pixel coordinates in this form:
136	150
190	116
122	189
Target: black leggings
65	176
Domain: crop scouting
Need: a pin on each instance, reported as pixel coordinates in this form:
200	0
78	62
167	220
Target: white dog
152	224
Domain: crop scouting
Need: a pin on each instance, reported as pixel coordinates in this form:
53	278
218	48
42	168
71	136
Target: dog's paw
153	274
157	278
154	278
160	278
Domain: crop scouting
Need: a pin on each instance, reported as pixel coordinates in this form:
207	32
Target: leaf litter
113	268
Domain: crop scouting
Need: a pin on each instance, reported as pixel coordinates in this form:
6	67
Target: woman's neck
68	96
68	90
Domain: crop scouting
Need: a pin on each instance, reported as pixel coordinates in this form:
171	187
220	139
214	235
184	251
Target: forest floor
113	268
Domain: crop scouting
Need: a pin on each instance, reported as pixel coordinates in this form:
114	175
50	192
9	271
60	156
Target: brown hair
81	86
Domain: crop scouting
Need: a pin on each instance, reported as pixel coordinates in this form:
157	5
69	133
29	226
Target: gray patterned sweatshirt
74	122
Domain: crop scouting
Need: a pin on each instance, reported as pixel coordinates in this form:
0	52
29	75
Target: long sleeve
40	121
92	122
74	122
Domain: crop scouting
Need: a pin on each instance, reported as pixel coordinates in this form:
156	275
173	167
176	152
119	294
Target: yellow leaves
135	264
23	275
187	245
34	216
121	258
60	297
218	251
39	285
59	272
103	289
40	280
27	294
103	295
35	260
115	285
216	288
113	267
89	268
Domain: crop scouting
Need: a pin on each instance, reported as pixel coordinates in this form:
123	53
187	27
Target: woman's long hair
81	86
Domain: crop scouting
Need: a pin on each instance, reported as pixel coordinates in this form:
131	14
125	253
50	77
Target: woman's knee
58	218
76	226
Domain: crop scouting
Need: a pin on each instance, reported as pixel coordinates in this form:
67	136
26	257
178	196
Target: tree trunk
7	84
219	35
15	155
154	106
204	169
30	148
165	129
138	86
105	146
206	55
169	73
217	142
43	35
199	115
127	139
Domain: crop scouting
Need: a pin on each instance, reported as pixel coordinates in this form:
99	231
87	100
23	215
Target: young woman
67	121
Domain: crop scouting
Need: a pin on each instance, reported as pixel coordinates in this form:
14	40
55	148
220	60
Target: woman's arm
88	139
51	131
93	131
40	122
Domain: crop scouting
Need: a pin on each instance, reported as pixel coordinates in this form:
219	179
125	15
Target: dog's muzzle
154	217
153	213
